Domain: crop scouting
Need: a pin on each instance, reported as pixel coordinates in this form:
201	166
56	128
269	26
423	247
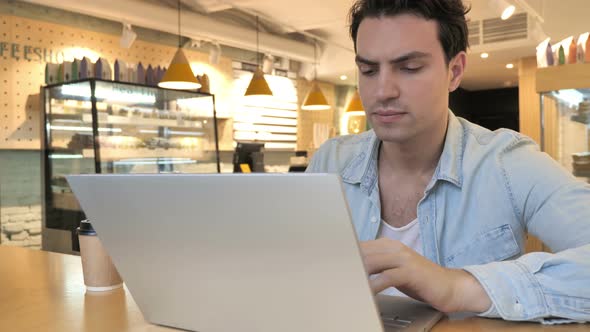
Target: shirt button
373	219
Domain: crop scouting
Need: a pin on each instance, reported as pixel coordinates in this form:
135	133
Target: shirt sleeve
544	287
554	206
320	159
313	166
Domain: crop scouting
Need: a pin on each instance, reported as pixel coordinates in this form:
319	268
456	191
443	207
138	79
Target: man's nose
387	85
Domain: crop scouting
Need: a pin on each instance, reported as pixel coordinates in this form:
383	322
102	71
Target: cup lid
86	228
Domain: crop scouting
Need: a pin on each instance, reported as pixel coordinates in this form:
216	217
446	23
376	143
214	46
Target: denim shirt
489	189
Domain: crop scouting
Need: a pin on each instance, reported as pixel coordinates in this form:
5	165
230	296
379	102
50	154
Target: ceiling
326	21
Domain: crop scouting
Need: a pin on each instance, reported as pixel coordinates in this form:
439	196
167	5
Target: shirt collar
363	167
450	165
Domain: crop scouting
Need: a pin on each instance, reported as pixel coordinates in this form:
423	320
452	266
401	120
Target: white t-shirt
408	235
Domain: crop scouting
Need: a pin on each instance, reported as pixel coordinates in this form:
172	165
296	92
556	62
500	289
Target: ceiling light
268	63
507	12
315	100
501	8
510	66
128	36
214	53
258	86
485	55
355	104
179	75
306	71
343	77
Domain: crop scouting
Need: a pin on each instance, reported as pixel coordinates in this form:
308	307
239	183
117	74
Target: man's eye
411	69
367	71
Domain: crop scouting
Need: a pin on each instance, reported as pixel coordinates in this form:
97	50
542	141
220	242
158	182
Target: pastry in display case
98	126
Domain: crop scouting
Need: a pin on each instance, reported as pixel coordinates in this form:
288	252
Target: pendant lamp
355	104
315	100
179	75
258	86
354	113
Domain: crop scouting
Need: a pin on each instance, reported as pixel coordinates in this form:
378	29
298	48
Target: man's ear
457	69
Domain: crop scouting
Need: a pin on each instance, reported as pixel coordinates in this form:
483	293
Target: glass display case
96	126
565	115
565	118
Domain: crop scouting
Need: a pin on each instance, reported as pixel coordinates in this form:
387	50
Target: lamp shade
315	100
258	85
179	74
355	104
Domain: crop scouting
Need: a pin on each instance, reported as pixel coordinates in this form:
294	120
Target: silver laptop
237	252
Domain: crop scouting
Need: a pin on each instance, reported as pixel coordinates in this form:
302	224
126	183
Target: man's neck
418	156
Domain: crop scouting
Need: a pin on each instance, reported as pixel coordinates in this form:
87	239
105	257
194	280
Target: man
441	205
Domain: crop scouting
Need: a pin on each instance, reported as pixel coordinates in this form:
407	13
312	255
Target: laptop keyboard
394	323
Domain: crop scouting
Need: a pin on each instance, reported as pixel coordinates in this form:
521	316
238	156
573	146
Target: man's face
404	80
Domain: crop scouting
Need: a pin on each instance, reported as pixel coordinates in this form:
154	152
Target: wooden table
43	291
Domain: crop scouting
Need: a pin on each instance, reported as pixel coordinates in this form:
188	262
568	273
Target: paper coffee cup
99	272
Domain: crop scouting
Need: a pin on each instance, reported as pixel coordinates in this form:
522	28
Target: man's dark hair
449	14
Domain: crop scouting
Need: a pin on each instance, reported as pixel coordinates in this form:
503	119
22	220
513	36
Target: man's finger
386	279
380	246
376	263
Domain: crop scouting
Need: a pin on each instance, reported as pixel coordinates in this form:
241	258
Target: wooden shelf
140	121
574	76
112	154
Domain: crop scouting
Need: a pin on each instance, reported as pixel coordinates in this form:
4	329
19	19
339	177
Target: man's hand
447	290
